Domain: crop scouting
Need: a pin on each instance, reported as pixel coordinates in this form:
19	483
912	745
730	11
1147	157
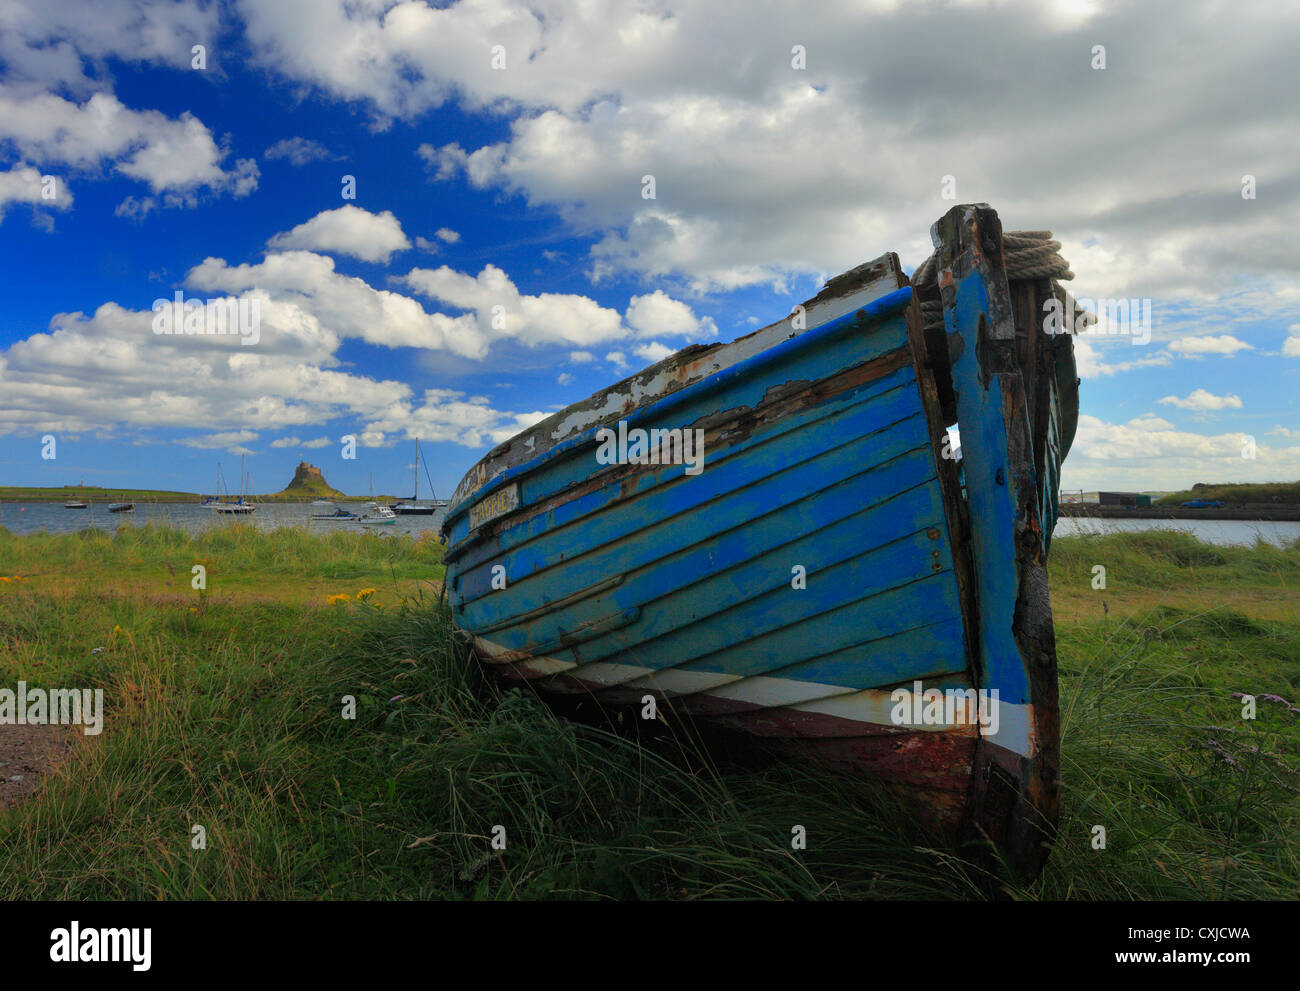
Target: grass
1287	493
90	493
225	711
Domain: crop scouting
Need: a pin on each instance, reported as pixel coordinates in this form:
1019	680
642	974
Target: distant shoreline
1263	512
96	495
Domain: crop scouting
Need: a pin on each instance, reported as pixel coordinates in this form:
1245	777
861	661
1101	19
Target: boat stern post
1014	796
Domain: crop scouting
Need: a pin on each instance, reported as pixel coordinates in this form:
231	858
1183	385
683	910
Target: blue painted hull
817	572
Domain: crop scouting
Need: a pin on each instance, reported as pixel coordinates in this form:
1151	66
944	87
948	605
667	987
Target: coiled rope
1028	255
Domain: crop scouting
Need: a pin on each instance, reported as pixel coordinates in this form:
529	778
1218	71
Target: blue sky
500	258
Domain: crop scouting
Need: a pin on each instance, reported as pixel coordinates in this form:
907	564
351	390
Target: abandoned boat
779	536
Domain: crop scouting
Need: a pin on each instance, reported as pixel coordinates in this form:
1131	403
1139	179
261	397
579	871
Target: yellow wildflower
117	630
365	593
336	599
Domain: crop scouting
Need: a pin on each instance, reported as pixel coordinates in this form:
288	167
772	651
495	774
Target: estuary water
29	517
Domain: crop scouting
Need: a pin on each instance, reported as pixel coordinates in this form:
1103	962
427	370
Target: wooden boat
121	507
832	568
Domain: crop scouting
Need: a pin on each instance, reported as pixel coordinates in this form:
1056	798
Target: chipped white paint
684	368
1015	730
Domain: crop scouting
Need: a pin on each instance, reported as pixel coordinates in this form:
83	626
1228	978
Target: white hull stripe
1015	731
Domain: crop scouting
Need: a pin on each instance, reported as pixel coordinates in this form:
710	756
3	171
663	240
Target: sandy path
27	754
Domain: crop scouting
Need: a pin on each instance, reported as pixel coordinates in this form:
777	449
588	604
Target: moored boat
378	516
121	507
74	504
227	506
413	506
777	535
339	514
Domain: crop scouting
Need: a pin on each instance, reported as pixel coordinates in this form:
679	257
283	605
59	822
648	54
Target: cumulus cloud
1222	344
47	44
763	170
347	230
24	184
299	151
1291	346
1202	401
501	311
229	439
1091	363
1148	453
659	315
652	352
174	156
338	305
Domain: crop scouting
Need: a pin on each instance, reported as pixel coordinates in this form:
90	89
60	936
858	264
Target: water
30	517
20	517
1221	532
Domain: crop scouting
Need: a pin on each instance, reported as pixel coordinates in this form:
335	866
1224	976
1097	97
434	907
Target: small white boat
378	516
74	504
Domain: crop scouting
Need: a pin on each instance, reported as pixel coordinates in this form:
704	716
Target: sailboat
376	513
225	506
413	507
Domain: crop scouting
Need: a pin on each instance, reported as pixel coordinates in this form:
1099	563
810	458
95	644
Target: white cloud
230	439
317	442
1203	401
652	352
286	442
1224	344
347	230
24	184
299	151
443	163
581	357
659	315
174	156
448	415
1291	346
564	378
617	358
447	235
1090	364
1143	455
44	43
763	171
338	305
501	311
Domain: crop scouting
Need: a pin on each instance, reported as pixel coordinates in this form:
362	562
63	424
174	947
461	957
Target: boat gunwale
877	309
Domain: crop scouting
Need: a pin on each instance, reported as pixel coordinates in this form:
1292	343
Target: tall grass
229	716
